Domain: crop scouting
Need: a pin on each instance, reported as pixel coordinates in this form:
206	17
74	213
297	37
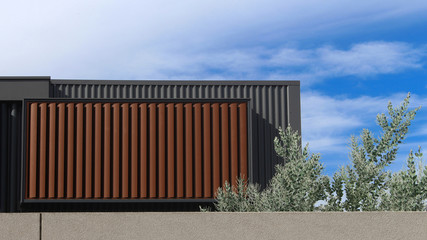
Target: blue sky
351	57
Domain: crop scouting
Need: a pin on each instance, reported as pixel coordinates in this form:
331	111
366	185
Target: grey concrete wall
377	225
367	225
19	226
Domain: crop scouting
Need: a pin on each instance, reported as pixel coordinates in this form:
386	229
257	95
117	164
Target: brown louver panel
70	151
43	132
134	150
98	144
52	152
188	150
125	150
33	152
79	152
116	150
243	140
207	150
128	150
234	143
61	150
88	149
225	164
180	150
171	150
198	149
216	147
161	158
152	163
143	154
107	150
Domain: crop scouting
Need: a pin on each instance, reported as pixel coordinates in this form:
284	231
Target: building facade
79	145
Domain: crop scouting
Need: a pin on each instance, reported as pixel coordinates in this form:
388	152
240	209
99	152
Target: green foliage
243	198
298	183
408	188
364	181
296	186
363	185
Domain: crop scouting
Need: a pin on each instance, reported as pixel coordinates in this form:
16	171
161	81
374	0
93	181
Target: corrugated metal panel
273	104
10	154
153	150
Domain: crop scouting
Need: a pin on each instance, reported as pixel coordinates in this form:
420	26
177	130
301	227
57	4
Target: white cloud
328	122
191	39
308	65
371	58
335	118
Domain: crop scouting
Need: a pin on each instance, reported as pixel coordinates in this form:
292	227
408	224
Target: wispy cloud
328	122
309	65
196	39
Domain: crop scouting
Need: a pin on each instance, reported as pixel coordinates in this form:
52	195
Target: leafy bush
408	188
296	185
364	181
363	185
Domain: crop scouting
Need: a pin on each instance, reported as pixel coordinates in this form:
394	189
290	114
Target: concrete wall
367	225
20	226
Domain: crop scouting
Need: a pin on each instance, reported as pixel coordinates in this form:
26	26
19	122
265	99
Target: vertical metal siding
272	104
10	154
145	144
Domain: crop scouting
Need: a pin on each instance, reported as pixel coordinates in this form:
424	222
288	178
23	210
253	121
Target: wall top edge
139	100
176	82
24	78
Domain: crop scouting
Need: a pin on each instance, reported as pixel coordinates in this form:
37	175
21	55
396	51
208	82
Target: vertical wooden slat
216	147
209	147
225	144
88	150
42	159
243	140
61	150
152	174
188	150
180	150
234	132
134	150
143	155
98	151
207	150
79	151
162	152
107	149
125	150
116	150
171	150
33	151
198	150
70	151
52	149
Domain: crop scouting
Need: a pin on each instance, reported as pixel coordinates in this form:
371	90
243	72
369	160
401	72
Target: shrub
363	185
408	188
296	186
364	181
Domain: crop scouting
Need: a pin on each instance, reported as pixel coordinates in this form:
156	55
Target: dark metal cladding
10	155
273	104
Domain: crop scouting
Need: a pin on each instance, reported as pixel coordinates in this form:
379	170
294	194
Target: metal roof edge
177	82
25	78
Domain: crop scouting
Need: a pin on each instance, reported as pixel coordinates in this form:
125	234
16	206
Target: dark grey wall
273	104
10	155
18	88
